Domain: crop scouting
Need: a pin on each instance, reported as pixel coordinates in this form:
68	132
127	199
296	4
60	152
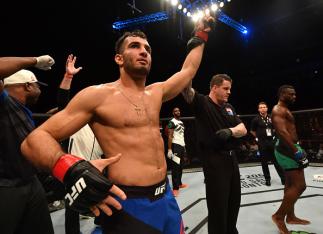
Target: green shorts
286	162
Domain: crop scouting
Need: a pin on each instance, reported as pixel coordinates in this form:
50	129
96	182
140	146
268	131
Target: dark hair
262	103
282	89
119	42
175	108
218	80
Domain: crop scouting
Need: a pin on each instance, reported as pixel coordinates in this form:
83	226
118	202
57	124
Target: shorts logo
160	190
77	188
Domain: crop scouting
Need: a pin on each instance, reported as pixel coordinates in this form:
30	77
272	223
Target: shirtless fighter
124	116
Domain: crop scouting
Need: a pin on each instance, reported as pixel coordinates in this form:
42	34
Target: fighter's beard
137	72
134	71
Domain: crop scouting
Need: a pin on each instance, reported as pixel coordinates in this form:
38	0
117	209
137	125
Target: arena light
231	22
159	16
214	7
201	7
195	17
174	2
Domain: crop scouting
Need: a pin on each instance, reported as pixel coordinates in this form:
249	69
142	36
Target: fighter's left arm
177	82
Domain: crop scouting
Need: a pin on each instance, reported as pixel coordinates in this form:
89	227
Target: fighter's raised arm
177	82
10	65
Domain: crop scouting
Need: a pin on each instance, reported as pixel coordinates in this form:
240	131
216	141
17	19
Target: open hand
70	65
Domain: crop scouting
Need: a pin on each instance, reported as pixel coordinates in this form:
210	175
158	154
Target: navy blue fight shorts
147	210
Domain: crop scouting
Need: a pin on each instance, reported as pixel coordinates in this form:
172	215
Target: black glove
301	158
194	42
85	185
223	134
200	36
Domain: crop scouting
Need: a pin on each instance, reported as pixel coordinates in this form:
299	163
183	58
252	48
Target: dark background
284	46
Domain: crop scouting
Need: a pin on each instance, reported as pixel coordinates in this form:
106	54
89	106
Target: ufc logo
160	190
77	188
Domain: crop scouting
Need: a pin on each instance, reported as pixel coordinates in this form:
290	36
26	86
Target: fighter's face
222	92
135	57
289	96
176	112
262	109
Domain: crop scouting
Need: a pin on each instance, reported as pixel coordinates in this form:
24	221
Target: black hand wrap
199	36
85	186
194	42
223	134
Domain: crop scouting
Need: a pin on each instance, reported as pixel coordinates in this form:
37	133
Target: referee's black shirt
209	118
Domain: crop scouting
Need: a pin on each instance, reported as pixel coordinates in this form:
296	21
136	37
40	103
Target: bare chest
133	112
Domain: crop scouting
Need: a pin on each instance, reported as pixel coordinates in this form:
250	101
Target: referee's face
222	92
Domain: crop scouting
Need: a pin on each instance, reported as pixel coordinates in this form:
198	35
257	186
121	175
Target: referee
218	129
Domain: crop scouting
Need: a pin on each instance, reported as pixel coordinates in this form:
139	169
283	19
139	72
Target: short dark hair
218	80
262	103
282	89
175	108
119	42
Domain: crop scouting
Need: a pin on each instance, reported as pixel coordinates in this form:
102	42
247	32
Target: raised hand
205	24
70	65
201	32
44	62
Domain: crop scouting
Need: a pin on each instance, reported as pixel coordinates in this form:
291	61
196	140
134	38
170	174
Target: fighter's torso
287	123
129	124
290	125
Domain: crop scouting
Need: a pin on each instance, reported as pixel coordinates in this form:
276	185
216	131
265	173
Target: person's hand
70	66
201	32
101	164
301	158
205	24
170	154
87	188
44	62
223	134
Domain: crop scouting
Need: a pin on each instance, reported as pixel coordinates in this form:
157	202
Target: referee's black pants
223	192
